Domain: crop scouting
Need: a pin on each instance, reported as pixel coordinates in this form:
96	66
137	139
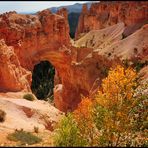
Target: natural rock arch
29	39
45	36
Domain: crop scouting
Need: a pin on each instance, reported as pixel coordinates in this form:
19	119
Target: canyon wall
25	40
12	75
45	36
133	14
31	34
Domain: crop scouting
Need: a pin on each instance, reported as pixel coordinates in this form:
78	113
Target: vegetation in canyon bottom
43	80
115	116
24	137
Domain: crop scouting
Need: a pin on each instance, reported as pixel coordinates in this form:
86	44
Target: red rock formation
63	12
33	41
34	38
30	34
134	14
12	76
45	36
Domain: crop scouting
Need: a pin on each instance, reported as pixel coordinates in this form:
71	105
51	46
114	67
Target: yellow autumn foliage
111	118
117	87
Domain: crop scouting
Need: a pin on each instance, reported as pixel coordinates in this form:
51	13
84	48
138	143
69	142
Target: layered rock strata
133	14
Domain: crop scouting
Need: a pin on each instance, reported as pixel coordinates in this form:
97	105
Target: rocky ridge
105	13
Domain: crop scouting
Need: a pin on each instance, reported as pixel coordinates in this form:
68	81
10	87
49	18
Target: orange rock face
31	34
32	38
134	14
36	38
12	76
45	36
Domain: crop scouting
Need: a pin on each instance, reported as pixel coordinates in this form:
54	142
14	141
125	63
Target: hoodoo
103	14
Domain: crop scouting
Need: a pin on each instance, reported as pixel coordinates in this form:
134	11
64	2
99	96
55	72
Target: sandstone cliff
29	34
80	66
12	76
32	38
132	13
45	36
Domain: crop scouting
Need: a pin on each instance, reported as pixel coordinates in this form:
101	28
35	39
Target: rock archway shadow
43	80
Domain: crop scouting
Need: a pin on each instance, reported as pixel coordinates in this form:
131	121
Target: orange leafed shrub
117	115
117	87
83	112
84	119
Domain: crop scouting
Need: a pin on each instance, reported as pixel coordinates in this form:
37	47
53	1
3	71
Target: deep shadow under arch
43	80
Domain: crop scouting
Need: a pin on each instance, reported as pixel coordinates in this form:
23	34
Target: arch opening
43	80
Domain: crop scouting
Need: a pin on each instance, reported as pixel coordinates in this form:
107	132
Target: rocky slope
109	42
133	13
29	113
134	46
26	115
101	38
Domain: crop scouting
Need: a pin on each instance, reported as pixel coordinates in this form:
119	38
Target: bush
114	102
36	129
109	54
139	65
123	36
104	71
29	97
2	116
67	134
115	116
24	137
84	121
126	63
